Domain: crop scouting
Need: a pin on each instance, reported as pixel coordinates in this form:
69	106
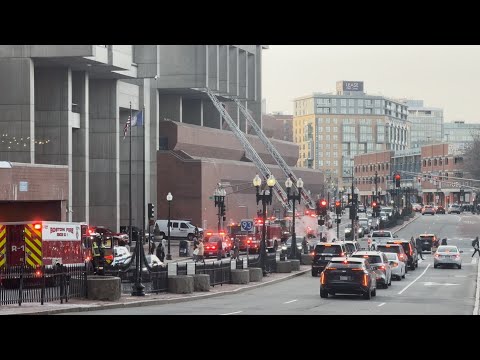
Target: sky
444	76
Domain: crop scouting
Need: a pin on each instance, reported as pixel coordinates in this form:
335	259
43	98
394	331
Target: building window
435	162
327	137
335	154
334	120
446	161
334	128
320	129
377	103
335	137
343	102
327	129
320	162
351	102
327	121
334	102
429	162
343	110
335	162
368	111
425	163
386	166
327	154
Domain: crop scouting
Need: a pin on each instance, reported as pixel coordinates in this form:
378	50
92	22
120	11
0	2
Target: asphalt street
424	291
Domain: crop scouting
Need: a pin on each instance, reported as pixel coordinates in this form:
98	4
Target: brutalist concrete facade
67	105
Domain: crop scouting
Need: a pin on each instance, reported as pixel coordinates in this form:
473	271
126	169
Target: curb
405	224
163	301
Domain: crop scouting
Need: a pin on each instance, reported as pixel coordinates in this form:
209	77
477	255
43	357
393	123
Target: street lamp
294	197
219	198
169	199
265	198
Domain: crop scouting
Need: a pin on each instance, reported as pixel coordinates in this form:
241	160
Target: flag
137	121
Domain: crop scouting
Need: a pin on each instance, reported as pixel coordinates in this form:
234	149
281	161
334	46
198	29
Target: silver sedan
397	266
447	255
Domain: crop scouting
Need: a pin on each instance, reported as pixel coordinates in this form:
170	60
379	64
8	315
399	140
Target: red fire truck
37	243
273	234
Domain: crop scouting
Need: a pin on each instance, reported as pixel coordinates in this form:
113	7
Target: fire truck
37	243
252	239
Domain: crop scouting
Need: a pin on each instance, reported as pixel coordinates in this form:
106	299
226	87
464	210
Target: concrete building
332	128
426	123
460	133
63	109
278	126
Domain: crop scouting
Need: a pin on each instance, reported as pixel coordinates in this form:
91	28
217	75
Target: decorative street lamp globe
257	181
271	181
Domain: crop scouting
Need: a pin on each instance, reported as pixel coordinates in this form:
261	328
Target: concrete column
242	74
17	110
233	71
104	154
212	67
80	145
223	67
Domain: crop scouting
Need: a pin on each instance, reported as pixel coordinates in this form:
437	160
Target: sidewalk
77	305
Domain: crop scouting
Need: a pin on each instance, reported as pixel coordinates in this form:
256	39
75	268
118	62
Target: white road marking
477	292
232	313
420	261
431	283
461	276
419	276
474	261
381	304
288	302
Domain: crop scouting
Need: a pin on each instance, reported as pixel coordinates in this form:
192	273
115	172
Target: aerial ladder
275	154
250	152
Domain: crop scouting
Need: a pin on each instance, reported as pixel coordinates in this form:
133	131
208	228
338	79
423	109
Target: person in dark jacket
444	241
476	246
418	245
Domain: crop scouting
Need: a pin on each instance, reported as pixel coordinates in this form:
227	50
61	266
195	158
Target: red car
440	210
107	232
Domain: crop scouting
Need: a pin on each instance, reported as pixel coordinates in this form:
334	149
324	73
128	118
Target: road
424	291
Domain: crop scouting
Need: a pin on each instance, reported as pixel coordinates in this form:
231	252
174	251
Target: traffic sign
246	225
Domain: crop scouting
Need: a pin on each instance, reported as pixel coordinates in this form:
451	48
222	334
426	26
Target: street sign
246	225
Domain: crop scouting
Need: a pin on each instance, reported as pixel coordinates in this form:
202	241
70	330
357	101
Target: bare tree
472	157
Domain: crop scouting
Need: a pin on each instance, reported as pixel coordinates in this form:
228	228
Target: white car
381	237
121	255
397	266
447	255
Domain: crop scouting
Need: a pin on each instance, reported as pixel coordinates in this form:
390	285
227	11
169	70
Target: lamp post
294	197
266	198
219	198
169	199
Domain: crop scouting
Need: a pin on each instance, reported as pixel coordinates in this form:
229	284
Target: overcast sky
446	76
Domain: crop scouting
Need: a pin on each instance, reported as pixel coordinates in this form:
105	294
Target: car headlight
347	230
299	247
284	247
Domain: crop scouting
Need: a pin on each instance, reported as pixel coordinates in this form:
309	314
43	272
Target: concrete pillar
17	110
242	74
223	68
192	111
80	146
104	153
233	71
212	54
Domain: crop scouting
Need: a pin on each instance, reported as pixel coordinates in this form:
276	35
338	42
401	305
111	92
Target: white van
179	229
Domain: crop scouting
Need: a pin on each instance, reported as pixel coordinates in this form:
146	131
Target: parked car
121	255
398	267
379	263
348	276
179	229
447	255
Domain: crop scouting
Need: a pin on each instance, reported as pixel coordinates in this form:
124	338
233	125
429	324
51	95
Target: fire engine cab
37	243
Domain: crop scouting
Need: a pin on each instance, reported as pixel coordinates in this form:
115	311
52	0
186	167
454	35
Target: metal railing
22	284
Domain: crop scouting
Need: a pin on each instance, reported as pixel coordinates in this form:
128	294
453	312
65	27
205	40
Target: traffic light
338	207
151	211
222	209
322	207
397	180
376	209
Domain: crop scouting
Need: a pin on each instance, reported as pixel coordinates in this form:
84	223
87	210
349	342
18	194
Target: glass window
343	102
377	103
327	121
368	111
320	129
335	137
320	137
320	162
343	110
360	102
327	137
327	154
335	153
360	111
334	102
183	226
335	146
351	102
378	111
327	129
334	120
335	162
327	162
335	129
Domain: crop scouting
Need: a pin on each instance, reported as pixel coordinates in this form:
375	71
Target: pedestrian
200	251
305	245
152	248
418	245
219	249
476	246
156	232
444	241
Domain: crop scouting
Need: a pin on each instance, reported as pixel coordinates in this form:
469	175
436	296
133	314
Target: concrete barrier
284	266
256	274
240	276
295	265
201	282
105	288
180	284
307	259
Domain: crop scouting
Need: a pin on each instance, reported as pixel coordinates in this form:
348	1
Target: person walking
476	246
200	251
418	245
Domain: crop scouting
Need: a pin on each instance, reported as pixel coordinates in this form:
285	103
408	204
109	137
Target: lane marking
474	261
381	304
477	292
419	276
289	302
232	313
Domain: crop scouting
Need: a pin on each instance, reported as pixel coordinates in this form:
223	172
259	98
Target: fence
21	284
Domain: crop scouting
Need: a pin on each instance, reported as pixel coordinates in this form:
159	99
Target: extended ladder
249	150
275	154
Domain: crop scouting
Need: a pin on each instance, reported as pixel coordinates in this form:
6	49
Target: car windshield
447	249
342	265
350	247
391	256
214	239
375	234
426	237
373	259
326	249
298	240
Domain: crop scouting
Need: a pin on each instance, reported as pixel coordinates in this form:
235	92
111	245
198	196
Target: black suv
410	250
323	253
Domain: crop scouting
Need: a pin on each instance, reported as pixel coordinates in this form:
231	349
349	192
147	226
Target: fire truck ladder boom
249	150
275	154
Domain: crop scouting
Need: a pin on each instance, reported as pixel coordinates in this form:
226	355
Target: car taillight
436	255
365	279
248	242
342	254
457	256
108	257
213	247
381	267
401	256
322	278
